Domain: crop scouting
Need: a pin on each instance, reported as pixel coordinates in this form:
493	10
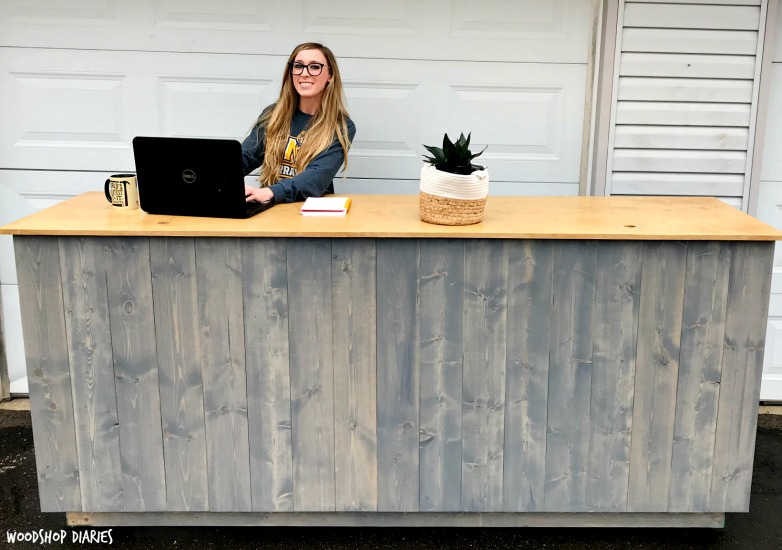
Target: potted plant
453	190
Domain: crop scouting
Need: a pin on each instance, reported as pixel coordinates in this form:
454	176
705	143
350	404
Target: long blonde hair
331	119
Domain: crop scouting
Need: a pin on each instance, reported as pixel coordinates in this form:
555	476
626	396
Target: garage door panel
83	13
519	20
387	116
535	150
68	110
144	15
209	107
246	15
366	18
555	31
64	112
528	128
86	119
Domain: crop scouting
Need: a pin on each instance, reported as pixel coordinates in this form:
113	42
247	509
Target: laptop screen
192	177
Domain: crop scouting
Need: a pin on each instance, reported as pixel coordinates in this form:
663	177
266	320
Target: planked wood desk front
568	361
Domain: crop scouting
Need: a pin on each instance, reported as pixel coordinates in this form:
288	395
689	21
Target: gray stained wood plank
85	301
530	269
128	273
700	366
181	382
222	360
441	366
397	375
48	373
617	303
742	365
483	400
656	375
265	298
570	376
312	374
355	378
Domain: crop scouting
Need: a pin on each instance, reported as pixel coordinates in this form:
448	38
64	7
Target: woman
301	141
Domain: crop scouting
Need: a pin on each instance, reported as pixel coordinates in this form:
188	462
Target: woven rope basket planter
452	199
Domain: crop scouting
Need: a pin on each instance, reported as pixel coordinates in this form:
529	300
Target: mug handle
106	190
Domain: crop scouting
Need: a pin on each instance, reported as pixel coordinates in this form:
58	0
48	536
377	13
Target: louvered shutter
685	91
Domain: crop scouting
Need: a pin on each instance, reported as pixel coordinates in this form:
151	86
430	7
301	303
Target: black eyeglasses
313	69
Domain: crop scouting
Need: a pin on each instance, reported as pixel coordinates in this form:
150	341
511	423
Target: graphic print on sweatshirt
289	168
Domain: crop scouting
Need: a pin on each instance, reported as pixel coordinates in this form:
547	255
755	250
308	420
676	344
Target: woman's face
309	87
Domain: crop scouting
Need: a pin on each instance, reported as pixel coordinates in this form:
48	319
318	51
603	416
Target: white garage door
80	79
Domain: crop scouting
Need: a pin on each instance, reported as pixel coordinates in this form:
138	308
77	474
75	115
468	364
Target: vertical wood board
85	301
398	375
441	283
311	374
530	288
742	364
265	298
698	387
353	269
570	376
483	401
656	375
222	362
48	373
617	302
181	382
131	312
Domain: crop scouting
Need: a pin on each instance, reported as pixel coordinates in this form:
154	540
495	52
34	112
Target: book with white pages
325	206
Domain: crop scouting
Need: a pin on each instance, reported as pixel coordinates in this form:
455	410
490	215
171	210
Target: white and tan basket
452	199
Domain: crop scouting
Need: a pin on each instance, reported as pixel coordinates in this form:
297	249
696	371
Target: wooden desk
396	216
594	356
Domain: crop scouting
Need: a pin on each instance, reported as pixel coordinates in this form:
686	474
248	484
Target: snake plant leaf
448	147
479	153
437	153
454	156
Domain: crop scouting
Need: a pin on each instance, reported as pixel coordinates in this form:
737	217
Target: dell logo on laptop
188	176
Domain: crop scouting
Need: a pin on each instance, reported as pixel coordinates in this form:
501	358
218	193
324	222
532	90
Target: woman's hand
263	194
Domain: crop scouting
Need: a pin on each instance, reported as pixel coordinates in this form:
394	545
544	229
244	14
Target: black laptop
192	177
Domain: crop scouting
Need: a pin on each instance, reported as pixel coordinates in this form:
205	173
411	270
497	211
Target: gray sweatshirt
315	180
